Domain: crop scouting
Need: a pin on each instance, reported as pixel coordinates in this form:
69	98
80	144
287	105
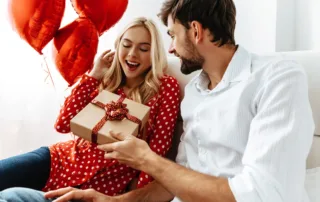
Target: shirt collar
239	69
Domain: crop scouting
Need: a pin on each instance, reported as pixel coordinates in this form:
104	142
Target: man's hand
128	150
69	193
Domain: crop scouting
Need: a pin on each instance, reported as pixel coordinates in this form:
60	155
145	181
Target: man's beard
194	63
190	65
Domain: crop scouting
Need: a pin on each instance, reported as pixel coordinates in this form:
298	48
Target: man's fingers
110	147
58	192
107	147
111	155
116	155
75	195
118	136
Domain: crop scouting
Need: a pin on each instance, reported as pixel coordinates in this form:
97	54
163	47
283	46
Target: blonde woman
136	70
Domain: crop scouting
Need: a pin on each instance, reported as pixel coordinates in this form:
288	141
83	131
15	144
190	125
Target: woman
136	70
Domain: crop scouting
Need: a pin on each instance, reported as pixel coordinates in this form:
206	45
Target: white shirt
255	128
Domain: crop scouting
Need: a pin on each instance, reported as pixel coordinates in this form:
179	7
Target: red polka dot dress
78	163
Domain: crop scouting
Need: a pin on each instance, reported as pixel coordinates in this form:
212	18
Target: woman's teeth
133	64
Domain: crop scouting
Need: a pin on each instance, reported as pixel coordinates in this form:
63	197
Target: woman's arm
84	92
80	96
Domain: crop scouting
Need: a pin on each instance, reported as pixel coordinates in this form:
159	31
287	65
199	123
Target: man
248	125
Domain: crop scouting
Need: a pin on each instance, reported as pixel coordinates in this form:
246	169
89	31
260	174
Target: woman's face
135	52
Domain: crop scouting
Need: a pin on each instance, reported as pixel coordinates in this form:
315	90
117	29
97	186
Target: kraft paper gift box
94	122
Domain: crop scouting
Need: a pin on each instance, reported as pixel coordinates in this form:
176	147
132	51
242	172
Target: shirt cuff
253	186
242	189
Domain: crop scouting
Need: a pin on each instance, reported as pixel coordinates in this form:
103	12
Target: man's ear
197	31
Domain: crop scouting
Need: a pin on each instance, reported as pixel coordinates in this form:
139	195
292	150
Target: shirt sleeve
161	139
80	96
274	162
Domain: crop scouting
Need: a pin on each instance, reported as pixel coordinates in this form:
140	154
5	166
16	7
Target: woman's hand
102	64
67	194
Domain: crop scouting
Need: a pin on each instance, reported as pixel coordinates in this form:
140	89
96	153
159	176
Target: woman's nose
132	52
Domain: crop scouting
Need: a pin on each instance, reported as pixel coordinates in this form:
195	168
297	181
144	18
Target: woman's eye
126	45
144	49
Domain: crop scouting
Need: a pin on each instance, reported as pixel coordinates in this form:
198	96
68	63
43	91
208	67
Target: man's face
182	47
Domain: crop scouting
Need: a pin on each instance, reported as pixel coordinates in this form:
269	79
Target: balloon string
48	71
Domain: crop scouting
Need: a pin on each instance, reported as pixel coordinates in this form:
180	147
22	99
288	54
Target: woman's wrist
95	76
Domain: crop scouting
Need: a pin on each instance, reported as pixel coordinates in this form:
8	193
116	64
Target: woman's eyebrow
142	43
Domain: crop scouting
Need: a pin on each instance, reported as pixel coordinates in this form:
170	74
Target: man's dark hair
219	16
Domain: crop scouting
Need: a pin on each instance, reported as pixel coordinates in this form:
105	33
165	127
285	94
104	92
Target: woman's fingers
108	57
105	52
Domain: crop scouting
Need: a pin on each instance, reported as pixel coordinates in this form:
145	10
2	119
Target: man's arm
186	184
153	192
274	160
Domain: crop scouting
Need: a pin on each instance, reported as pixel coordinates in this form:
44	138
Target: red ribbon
114	111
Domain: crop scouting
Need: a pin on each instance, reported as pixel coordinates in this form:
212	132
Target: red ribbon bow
114	111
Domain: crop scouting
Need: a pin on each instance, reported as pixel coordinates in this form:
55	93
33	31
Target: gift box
106	112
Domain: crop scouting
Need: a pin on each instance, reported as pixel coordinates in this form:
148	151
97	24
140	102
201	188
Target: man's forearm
153	192
188	185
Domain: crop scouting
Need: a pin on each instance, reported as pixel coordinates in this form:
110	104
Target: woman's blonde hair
115	76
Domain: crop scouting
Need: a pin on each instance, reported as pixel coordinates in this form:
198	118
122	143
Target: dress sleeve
161	139
80	96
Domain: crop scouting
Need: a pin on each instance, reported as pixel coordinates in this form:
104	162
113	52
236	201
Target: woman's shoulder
168	79
169	83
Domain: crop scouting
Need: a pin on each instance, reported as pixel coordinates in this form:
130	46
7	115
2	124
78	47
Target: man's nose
171	49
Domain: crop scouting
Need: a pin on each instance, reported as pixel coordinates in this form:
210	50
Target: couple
248	124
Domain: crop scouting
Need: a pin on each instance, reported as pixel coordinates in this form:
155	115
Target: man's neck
217	61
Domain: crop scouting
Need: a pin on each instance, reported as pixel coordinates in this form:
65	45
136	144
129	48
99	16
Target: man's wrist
151	162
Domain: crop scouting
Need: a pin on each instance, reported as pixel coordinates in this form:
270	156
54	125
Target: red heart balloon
103	13
36	21
75	46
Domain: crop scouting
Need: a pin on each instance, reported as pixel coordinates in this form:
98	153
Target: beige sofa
311	62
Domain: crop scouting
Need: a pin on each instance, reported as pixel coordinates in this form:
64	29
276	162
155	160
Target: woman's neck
132	83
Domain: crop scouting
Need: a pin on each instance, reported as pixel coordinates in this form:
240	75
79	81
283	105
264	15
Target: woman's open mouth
132	65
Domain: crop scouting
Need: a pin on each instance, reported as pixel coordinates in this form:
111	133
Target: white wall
286	25
146	8
278	25
251	15
308	25
256	24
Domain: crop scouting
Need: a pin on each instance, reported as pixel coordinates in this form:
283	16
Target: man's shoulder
269	66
